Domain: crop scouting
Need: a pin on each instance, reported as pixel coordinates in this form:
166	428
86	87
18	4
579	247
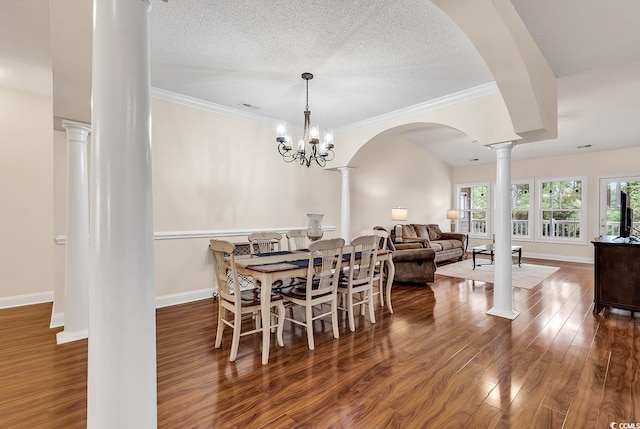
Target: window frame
531	212
584	211
488	210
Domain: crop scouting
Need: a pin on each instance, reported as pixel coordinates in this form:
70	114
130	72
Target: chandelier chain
307	105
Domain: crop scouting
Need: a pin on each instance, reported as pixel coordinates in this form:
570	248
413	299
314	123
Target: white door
609	208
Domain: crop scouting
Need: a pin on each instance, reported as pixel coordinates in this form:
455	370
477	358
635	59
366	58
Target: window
562	206
473	203
610	203
521	210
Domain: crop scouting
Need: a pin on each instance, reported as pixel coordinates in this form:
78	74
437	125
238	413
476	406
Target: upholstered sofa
446	245
413	262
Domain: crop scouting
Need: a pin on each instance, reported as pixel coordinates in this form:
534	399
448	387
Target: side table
488	249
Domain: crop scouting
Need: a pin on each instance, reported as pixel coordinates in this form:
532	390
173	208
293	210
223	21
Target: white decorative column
502	287
76	281
345	206
122	345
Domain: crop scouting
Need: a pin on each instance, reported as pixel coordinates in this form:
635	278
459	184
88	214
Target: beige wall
217	172
213	171
26	190
593	165
396	172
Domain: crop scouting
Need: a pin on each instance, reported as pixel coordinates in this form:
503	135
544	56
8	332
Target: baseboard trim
63	337
558	258
28	299
183	297
506	314
57	319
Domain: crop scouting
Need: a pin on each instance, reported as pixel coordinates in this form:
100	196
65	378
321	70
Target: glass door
609	208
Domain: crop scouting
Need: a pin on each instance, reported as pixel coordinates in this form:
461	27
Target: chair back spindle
265	242
297	239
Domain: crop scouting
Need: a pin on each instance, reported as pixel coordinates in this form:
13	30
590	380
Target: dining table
268	268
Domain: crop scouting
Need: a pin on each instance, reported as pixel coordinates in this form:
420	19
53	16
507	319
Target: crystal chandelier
309	148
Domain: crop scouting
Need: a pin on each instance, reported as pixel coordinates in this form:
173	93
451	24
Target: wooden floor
438	362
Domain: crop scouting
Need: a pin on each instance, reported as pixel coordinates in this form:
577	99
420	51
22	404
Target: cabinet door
618	276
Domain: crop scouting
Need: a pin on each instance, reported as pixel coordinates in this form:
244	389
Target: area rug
525	277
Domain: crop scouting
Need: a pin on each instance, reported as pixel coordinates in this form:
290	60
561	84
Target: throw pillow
408	231
421	230
434	231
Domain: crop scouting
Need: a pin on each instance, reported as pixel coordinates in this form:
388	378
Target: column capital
67	125
76	131
345	168
502	145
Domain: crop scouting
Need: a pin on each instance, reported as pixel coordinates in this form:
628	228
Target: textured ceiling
369	58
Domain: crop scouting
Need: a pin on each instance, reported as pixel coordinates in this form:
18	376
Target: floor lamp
453	215
399	214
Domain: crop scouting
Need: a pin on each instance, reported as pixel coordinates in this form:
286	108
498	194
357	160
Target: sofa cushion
409	231
436	246
421	230
434	231
454	243
446	244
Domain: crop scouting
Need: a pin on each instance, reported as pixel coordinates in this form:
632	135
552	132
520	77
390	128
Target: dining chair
321	286
378	275
265	242
356	288
241	304
297	239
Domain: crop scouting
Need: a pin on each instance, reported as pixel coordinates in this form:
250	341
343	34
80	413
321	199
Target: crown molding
185	100
436	103
457	97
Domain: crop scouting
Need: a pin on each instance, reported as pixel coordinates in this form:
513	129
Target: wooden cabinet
617	274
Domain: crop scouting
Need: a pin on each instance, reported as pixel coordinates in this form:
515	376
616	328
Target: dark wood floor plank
635	378
546	418
485	416
565	384
438	361
585	406
534	386
616	397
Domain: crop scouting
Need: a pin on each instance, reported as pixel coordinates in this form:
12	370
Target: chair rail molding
183	235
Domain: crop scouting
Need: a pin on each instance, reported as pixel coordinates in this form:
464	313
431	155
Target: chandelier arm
282	151
330	155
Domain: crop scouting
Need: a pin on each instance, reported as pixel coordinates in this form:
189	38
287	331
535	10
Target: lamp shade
399	213
453	214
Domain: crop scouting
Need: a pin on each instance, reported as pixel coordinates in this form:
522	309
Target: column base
507	314
67	337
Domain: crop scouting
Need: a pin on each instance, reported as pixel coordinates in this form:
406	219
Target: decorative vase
314	228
